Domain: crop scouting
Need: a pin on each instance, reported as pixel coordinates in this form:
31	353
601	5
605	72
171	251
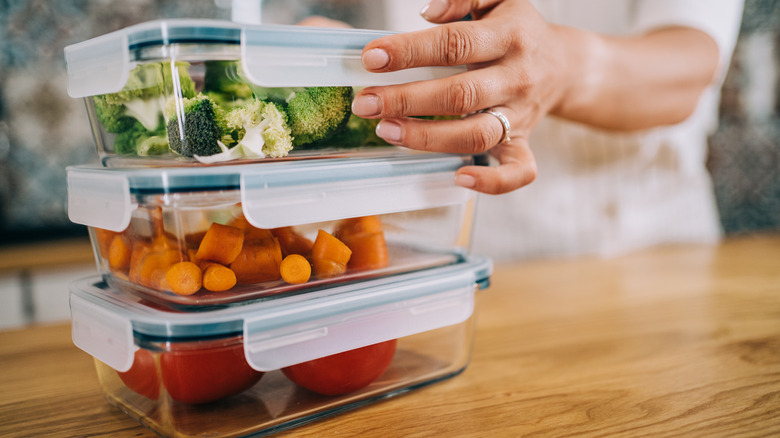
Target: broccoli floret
318	113
198	131
358	132
261	129
280	95
143	97
224	84
137	140
153	145
113	117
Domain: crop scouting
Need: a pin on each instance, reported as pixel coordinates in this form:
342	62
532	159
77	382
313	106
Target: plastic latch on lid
101	333
98	66
335	62
274	348
320	201
101	201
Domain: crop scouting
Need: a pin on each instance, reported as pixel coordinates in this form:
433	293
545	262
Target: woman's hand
524	68
515	68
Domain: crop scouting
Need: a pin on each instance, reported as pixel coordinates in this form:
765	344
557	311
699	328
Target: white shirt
607	193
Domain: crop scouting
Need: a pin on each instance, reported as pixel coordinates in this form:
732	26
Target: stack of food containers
264	259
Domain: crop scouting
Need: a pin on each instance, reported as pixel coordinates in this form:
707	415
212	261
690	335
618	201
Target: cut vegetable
292	242
295	269
217	278
258	261
221	244
184	278
365	237
329	255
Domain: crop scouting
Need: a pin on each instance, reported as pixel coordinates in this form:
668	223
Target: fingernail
390	131
434	9
375	59
466	181
366	105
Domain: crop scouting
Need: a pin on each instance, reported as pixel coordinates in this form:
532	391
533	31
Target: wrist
584	56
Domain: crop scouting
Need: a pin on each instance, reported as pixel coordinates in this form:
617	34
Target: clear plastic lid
271	55
278	194
283	332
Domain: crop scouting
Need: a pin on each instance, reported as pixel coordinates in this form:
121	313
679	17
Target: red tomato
142	376
201	374
343	372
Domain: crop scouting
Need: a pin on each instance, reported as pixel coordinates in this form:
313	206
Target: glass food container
272	365
199	237
200	92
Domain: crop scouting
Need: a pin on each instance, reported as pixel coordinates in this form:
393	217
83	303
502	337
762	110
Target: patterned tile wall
745	151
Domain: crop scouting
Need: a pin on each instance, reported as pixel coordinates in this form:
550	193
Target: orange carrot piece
295	269
119	254
258	261
250	231
292	242
359	225
329	255
184	278
365	237
369	251
151	270
221	244
218	278
103	239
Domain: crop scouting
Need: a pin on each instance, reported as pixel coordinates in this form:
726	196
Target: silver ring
504	122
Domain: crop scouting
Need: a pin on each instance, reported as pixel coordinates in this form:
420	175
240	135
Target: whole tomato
345	372
142	376
203	373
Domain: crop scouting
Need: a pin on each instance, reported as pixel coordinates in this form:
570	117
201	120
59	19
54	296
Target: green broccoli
137	140
357	132
197	132
318	113
224	84
143	97
261	130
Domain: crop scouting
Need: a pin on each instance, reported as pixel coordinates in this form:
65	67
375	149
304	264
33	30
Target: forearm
635	83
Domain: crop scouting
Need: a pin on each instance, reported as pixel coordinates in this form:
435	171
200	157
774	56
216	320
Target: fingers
449	44
444	11
319	21
455	95
474	134
517	168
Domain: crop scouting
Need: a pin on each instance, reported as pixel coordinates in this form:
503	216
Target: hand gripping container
197	92
234	227
271	365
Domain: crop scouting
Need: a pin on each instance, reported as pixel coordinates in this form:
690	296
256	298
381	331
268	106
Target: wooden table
676	341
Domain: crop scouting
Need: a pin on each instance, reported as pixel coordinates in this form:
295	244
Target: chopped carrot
119	254
295	269
217	278
221	244
150	271
364	236
103	239
184	278
292	242
192	240
359	225
250	231
329	255
369	251
258	261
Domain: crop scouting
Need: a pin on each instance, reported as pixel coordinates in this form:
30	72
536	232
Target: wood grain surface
674	341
